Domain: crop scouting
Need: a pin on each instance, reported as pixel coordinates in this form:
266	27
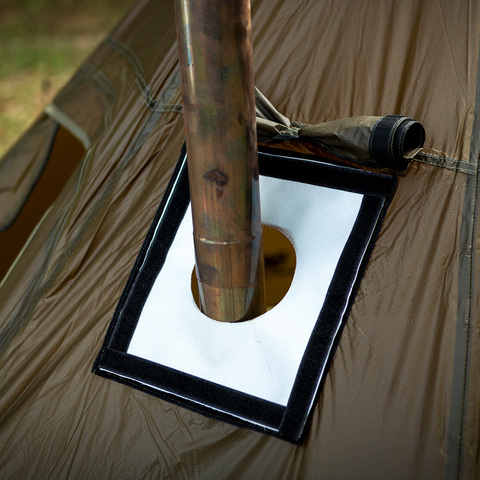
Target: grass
42	43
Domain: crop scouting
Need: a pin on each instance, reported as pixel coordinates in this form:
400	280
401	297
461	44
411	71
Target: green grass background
42	43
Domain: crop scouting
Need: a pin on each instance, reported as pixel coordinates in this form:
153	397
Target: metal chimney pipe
216	68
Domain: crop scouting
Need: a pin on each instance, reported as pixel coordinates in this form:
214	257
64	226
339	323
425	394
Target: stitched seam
136	64
99	78
446	162
468	327
176	108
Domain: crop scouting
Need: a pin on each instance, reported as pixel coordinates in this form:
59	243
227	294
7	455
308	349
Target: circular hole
414	139
280	262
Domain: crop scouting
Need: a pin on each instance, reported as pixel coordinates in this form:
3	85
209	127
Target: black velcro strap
393	139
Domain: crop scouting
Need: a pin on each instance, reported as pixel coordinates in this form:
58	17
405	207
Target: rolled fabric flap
395	140
388	142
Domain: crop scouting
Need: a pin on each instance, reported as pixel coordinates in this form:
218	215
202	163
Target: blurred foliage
42	43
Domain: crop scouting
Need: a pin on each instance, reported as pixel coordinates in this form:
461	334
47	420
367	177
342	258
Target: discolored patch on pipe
219	178
208	273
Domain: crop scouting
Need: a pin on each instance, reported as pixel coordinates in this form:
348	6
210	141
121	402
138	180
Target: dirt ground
42	43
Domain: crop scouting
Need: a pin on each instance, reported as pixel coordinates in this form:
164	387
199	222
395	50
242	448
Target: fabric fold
390	141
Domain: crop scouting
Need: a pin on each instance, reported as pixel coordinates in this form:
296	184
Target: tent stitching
136	64
446	162
103	83
99	78
162	104
466	281
461	366
175	108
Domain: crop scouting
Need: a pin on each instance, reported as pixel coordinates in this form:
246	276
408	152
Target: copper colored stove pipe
216	67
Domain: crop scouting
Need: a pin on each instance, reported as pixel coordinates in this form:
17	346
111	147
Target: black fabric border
216	400
118	336
154	257
328	329
190	391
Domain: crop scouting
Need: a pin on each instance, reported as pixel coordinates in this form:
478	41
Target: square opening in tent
263	373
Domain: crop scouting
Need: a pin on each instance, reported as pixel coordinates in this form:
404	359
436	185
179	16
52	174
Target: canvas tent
401	399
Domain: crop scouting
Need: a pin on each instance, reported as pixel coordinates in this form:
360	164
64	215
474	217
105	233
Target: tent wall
56	163
402	396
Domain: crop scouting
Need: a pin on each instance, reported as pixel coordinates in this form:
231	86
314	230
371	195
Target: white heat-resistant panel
260	357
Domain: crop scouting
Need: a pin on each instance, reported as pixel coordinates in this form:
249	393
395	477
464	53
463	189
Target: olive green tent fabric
389	142
402	397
